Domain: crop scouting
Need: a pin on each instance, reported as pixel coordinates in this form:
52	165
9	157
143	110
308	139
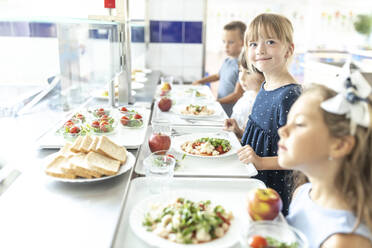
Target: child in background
233	39
251	84
269	45
335	208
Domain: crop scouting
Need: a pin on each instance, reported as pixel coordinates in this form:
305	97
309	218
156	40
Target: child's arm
247	155
209	79
233	97
232	125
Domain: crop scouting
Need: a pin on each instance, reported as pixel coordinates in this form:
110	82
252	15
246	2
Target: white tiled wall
180	60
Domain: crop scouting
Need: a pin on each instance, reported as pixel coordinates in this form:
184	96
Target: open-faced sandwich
207	146
188	222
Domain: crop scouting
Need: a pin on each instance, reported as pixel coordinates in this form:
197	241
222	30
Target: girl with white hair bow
328	141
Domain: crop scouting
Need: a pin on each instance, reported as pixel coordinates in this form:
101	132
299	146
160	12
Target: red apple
264	204
165	104
159	141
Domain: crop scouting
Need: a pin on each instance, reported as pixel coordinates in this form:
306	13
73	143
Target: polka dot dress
269	113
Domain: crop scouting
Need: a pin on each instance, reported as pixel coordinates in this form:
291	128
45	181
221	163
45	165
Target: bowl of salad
127	111
132	121
103	125
99	112
272	234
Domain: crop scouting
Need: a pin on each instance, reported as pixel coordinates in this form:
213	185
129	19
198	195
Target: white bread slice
68	167
66	150
81	167
76	145
93	145
109	148
102	163
85	143
54	168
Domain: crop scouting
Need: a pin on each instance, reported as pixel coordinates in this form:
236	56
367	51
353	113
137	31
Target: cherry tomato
219	149
95	124
257	241
137	116
80	116
104	118
100	112
104	126
104	123
74	129
170	155
124	109
69	123
124	120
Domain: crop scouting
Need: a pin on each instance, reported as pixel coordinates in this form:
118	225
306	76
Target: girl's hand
247	155
232	125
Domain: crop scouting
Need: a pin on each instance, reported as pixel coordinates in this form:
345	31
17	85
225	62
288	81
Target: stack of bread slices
88	157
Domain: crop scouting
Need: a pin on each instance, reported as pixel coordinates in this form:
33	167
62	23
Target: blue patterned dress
269	113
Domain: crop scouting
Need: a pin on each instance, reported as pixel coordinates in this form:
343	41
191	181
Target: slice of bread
85	143
54	168
76	145
102	163
66	150
93	145
81	167
111	149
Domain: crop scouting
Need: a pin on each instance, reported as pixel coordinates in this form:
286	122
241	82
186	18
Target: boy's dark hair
236	25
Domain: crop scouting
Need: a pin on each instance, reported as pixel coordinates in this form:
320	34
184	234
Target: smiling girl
269	46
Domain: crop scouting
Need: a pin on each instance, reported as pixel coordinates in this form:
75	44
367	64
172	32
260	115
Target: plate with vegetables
184	220
205	145
197	111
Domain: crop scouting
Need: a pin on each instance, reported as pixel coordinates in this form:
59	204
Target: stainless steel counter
36	211
39	212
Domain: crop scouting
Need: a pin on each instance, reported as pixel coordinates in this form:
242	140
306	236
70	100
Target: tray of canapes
125	125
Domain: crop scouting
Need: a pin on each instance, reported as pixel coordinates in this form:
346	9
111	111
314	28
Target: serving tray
232	191
131	138
228	166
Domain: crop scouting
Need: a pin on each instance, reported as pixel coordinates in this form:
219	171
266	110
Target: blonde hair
354	179
269	26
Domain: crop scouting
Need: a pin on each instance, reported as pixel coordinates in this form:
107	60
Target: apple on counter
159	141
165	104
264	204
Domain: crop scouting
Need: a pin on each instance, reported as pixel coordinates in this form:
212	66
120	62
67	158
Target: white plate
123	168
140	79
136	85
178	108
99	94
139	211
179	140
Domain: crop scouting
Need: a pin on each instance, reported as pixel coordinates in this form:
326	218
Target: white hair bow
353	90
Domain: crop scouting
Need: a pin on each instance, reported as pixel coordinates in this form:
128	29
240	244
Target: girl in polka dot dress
269	47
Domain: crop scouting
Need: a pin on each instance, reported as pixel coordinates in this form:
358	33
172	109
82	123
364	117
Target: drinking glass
159	169
279	231
166	83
